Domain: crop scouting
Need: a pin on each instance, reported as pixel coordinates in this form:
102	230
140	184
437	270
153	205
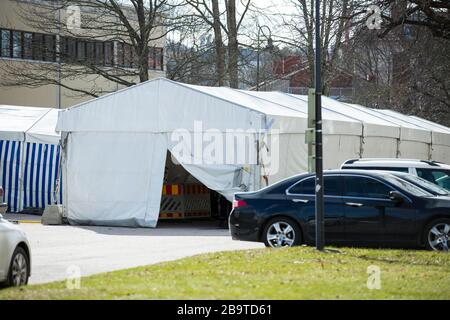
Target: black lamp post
268	47
320	234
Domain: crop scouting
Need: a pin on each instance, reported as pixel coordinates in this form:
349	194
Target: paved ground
102	249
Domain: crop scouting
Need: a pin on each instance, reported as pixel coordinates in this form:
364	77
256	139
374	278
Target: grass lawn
294	273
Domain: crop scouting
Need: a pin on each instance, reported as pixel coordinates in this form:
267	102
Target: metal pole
320	234
58	57
257	59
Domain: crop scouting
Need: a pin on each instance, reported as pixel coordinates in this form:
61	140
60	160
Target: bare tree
393	72
210	13
299	33
433	15
218	40
228	22
190	55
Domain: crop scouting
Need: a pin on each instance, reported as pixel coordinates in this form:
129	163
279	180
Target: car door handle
354	204
300	200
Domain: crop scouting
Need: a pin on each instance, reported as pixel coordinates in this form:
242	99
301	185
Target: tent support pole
21	176
63	170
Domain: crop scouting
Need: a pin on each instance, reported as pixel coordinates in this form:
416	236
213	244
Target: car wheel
19	270
437	235
281	232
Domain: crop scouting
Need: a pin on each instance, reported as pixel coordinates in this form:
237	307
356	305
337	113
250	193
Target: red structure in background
296	70
286	65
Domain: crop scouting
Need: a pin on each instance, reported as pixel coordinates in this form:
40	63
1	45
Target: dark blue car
361	208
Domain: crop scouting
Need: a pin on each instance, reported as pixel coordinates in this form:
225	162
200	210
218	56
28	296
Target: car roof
356	171
305	175
394	163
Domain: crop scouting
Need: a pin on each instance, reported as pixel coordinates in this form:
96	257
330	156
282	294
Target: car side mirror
396	196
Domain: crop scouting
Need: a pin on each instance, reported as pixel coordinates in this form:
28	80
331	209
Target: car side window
303	187
307	186
365	187
332	186
396	169
439	177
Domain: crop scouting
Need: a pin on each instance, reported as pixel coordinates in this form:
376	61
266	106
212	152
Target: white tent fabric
116	148
124	175
29	156
414	141
440	142
30	124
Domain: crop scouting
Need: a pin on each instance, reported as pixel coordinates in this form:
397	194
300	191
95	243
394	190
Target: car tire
19	268
437	235
281	232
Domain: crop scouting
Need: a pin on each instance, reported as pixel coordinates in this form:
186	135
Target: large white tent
29	156
115	147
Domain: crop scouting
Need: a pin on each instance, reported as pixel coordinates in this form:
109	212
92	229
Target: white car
3	206
15	255
435	172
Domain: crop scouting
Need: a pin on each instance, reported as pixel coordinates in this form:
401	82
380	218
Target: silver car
15	255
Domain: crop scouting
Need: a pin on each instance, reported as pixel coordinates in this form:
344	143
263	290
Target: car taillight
1	192
239	203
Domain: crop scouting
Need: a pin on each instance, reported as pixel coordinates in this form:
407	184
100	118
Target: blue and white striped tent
29	157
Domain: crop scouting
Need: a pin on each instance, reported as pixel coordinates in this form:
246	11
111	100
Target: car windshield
426	184
407	186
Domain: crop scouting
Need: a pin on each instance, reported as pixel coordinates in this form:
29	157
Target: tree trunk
218	42
233	46
143	63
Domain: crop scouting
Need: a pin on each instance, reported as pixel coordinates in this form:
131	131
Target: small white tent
29	156
115	146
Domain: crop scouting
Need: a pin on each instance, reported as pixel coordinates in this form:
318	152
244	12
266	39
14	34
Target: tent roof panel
246	100
44	130
295	102
17	121
431	124
334	123
356	113
142	108
386	117
416	121
409	131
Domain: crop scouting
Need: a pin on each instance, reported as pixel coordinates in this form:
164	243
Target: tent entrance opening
184	197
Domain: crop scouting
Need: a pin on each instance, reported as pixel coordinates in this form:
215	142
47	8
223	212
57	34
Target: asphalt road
59	250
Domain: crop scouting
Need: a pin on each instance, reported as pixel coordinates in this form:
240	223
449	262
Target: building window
134	57
49	48
38	46
28	45
71	49
17	45
109	56
151	58
99	53
128	56
62	49
43	47
155	59
90	52
81	51
120	54
159	59
6	43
